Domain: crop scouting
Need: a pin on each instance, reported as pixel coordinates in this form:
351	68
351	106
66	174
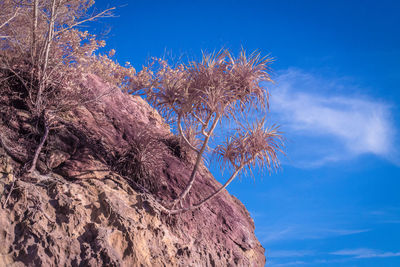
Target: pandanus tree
196	97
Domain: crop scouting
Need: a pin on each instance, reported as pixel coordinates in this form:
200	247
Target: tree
41	46
197	96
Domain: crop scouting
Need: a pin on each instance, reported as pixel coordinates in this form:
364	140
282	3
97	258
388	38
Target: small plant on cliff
142	160
44	58
199	96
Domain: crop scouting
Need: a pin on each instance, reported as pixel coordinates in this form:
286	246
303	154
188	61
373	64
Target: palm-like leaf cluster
219	84
196	96
251	145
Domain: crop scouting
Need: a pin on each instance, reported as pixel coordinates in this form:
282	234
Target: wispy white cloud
346	231
291	263
353	252
333	126
344	255
386	215
293	232
391	221
365	253
256	214
315	262
270	235
288	253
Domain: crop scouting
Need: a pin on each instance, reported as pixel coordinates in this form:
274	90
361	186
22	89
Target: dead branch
10	19
16	75
39	149
34	29
104	14
9	194
14	155
43	71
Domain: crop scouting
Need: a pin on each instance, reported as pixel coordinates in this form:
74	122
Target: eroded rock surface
81	210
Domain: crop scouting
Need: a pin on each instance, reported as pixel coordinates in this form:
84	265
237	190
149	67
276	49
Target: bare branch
34	29
9	194
43	71
198	160
39	149
216	192
10	152
198	118
205	200
184	137
16	75
103	14
10	19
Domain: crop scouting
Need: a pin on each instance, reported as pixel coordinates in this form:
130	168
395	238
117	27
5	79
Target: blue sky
335	201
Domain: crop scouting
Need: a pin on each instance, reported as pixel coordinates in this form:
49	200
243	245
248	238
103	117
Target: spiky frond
251	145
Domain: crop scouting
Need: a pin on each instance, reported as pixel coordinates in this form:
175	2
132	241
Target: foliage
44	58
142	160
198	96
42	48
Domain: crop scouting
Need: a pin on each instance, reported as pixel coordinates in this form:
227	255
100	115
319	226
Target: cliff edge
83	208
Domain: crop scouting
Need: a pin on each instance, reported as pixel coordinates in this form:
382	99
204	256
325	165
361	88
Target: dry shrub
44	58
143	160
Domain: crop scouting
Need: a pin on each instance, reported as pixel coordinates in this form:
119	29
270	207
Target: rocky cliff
92	200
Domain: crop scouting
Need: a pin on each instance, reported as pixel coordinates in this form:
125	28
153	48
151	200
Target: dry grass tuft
142	160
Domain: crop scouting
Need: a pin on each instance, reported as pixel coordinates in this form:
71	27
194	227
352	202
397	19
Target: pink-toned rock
89	214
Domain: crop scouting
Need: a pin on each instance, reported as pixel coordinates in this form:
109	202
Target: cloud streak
365	253
342	256
338	127
271	235
289	253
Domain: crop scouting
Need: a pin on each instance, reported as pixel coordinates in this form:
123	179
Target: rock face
83	209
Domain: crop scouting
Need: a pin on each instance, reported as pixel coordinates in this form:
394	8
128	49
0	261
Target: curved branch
39	149
10	19
198	118
104	13
16	75
9	151
198	160
217	192
202	202
184	137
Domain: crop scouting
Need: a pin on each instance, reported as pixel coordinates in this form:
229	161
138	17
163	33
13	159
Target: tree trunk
198	160
34	30
204	201
43	70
